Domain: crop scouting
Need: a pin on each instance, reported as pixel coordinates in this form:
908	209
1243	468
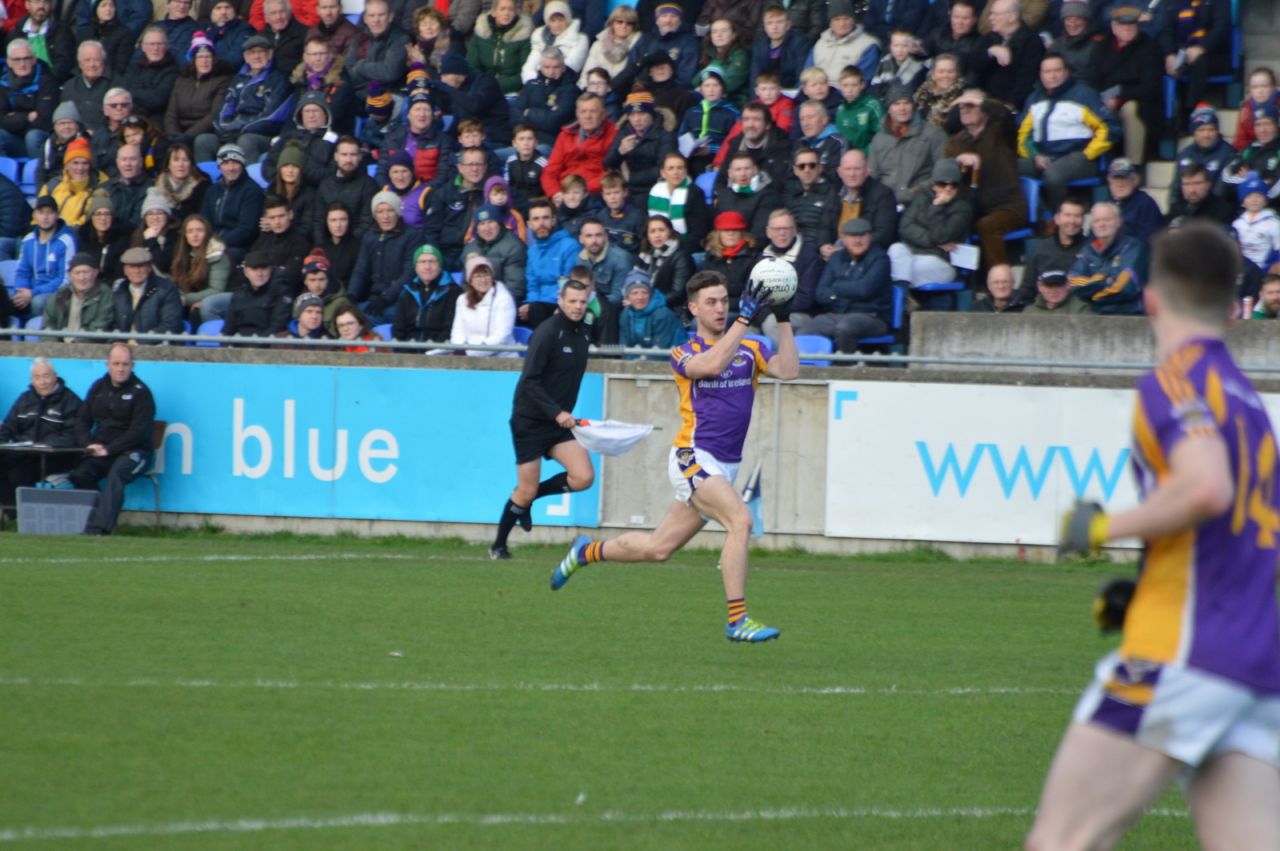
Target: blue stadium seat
210	168
254	170
707	183
383	331
522	334
1232	80
698	258
446	122
941	295
373	169
28	182
457	277
14	322
212	328
354	18
35	323
813	344
10	168
899	312
1030	191
8	272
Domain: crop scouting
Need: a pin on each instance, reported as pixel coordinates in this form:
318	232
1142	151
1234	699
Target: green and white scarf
664	201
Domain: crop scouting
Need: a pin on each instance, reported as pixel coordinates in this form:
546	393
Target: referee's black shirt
553	369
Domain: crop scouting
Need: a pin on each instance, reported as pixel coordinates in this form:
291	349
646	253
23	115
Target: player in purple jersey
1194	690
716	374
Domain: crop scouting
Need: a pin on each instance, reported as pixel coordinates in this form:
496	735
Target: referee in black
542	411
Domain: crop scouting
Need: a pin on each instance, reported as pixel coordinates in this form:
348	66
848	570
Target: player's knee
739	520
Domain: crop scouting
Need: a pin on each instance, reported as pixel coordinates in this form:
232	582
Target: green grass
132	694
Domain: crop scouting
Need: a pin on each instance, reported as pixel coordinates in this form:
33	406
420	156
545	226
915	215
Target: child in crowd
622	220
706	125
781	107
524	169
1258	227
600	82
575	204
497	193
378	106
1262	90
898	66
647	322
470	135
860	115
815	85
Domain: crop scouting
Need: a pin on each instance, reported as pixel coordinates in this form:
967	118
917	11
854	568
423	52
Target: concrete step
1160	173
1162	200
1017	275
1227	120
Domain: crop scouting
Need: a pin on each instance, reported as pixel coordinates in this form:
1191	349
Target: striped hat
378	103
639	101
200	40
663	8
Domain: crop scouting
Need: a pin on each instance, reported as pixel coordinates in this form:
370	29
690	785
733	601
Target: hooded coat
385	258
317	145
507	256
573	43
335	89
425	314
654	326
501	51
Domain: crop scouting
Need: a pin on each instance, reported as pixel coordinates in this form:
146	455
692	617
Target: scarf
665	201
615	52
176	193
315	81
735	251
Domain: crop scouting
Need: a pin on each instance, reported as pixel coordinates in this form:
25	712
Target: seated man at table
115	427
45	413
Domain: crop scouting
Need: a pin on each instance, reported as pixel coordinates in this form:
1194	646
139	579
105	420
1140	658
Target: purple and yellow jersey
1206	597
716	412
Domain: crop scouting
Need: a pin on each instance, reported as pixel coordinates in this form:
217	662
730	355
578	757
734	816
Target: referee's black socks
512	514
559	483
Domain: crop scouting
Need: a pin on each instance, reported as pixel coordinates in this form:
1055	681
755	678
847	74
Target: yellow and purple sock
591	552
737	609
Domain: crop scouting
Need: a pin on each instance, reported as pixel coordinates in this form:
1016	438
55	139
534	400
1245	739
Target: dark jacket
1211	29
234	210
967	48
151	84
625	227
754	206
644	163
736	269
107	250
15	217
427	148
448	215
808	264
925	226
342	257
998	185
257	103
1213	208
1141	215
668	272
261	312
50	420
425	314
1010	83
788	61
815	209
336	89
87	96
1048	255
386	257
317	145
877	204
229	40
60	41
117	39
681	46
127	197
286	251
553	368
772	158
380	58
20	97
97	313
1110	279
159	311
194	101
288	43
882	17
547	105
355	191
863	286
120	418
478	97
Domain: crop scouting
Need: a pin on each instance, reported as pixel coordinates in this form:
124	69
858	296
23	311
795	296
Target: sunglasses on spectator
806	165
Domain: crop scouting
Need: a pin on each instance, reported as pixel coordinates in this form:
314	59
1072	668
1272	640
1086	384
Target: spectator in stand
321	74
197	92
935	97
657	76
859	116
180	182
468	94
500	44
1054	297
1197	200
115	426
228	32
158	233
485	313
807	17
731	251
552	253
308	319
339	243
724	50
812	200
1195	38
844	42
233	205
1262	90
546	101
286	33
1139	212
562	31
854	298
258	101
353	326
999	295
1080	44
863	197
103	237
1110	271
129	186
146	302
1128	76
781	51
1064	131
682	203
609	265
90	83
747	193
1008	56
42	261
1258	228
899	65
411	191
1263	154
427	302
666	262
106	27
623	218
332	26
904	151
384	260
348	182
815	86
960	38
1207	149
378	52
84	302
984	149
819	135
419	137
612	47
669	37
933	225
150	78
580	148
758	136
311	131
48	37
647	322
201	265
282	242
117	108
71	188
178	27
261	305
14	219
45	413
450	208
702	130
1057	251
333	296
67	127
28	96
505	253
1268	306
640	144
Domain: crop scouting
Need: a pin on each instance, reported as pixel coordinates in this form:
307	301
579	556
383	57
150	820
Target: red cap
730	220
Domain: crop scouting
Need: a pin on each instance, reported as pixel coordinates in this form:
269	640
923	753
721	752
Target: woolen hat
855	227
231	153
200	41
659	57
66	111
639	101
428	249
100	200
256	260
1267	111
840	9
137	256
713	70
488	213
83	258
1203	114
454	63
637	278
557	7
378	103
385	197
400	157
1075	9
155	200
897	92
945	171
77	149
304	301
663	8
730	220
474	262
1252	183
293	154
316	261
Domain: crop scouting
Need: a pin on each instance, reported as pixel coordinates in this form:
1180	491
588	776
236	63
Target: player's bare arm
785	365
1198	488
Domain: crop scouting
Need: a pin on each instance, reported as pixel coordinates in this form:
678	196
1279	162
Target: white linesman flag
610	437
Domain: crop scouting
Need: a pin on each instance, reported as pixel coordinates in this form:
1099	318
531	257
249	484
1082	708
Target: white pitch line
612	688
243	557
246	825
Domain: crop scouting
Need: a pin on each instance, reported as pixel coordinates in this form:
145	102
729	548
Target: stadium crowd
433	170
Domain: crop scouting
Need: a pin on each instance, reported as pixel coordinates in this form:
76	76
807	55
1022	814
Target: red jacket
303	10
573	155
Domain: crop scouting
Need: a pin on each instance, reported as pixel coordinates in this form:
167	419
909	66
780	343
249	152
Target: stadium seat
10	168
940	295
254	170
899	312
8	272
698	258
28	182
372	169
707	183
457	277
383	331
14	322
354	18
157	446
35	323
446	122
1233	80
212	328
522	334
813	344
210	168
759	338
1030	191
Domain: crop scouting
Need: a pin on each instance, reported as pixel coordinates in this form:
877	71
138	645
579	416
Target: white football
775	275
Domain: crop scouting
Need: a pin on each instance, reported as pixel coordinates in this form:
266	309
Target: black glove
1112	602
1084	530
754	305
782	312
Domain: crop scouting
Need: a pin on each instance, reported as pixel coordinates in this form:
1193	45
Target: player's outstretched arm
752	308
785	364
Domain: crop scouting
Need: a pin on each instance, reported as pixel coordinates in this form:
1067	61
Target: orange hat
77	148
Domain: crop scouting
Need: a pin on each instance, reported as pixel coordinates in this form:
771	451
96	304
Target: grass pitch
215	692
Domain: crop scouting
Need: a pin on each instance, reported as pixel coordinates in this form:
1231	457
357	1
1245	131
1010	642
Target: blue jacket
1072	118
1110	280
261	103
229	40
548	259
610	273
1141	215
42	266
864	286
791	59
134	14
905	15
720	120
234	210
654	327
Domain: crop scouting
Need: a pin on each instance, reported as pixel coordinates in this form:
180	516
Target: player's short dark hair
1195	271
704	280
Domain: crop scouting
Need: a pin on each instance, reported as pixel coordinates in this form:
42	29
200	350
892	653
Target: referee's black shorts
534	439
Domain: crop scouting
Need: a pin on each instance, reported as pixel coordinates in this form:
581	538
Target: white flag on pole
610	437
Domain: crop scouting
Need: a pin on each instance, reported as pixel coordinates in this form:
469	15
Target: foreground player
1194	689
542	412
716	374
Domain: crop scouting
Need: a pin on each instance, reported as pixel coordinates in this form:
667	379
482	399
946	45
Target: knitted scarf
665	201
315	80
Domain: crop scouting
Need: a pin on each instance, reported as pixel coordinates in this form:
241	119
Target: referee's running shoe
749	630
569	563
499	553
